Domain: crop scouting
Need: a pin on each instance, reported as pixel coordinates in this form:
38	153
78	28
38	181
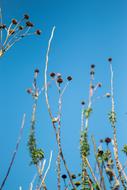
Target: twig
15	152
49	109
50	159
115	145
98	164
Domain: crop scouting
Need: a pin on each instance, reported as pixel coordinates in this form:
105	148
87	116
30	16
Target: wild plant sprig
13	33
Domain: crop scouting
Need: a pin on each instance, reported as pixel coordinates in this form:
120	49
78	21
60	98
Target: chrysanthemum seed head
108	140
64	176
29	24
108	95
92	66
14	21
20	27
52	74
110	59
26	16
69	78
59	80
29	90
36	71
38	32
82	102
99	84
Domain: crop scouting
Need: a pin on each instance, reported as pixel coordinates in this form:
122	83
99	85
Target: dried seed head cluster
16	30
34	91
92	70
58	77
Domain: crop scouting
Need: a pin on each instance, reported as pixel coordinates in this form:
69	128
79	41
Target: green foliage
125	149
112	118
84	145
106	155
87	112
36	154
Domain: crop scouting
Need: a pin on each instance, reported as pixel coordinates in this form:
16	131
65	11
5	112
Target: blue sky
87	32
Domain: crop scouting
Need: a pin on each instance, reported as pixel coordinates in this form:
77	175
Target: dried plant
17	30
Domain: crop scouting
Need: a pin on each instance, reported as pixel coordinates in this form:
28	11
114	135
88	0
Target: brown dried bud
108	140
59	80
14	21
73	176
92	73
58	75
11	32
26	16
108	95
29	24
69	78
52	74
2	26
20	27
77	183
36	71
29	90
92	86
92	66
64	176
99	84
83	103
38	32
110	59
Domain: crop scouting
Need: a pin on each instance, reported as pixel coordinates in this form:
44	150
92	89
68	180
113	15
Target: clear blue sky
87	32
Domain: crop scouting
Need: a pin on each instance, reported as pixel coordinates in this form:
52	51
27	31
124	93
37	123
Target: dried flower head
59	80
82	102
69	78
108	140
92	72
73	176
64	176
77	183
2	26
110	59
99	84
92	66
20	27
14	21
52	74
11	31
58	75
36	71
108	95
92	86
100	152
29	24
29	90
26	16
38	32
101	140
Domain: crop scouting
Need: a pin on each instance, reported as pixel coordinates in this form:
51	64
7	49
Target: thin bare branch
14	153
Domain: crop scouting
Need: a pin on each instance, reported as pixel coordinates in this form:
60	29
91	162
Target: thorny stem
49	109
14	153
118	164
